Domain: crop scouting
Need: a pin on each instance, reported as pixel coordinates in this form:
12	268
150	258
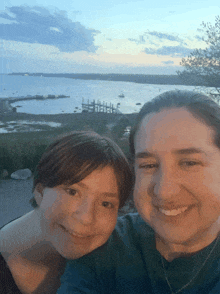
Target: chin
71	254
175	237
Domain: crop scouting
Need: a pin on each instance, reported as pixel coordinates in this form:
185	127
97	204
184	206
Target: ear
38	193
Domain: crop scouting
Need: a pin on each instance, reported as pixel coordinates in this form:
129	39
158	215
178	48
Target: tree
202	66
119	128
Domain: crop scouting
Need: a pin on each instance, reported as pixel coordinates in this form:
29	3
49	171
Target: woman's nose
166	185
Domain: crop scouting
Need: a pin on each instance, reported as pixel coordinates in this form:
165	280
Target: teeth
173	212
79	236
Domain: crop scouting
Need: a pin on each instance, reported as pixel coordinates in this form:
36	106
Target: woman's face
79	218
177	166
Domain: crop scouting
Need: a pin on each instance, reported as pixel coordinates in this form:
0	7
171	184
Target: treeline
135	78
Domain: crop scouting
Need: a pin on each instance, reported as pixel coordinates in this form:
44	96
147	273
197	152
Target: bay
104	91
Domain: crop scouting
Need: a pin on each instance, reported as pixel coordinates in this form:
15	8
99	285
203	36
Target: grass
24	149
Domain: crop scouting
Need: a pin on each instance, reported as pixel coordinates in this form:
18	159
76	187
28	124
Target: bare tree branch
202	66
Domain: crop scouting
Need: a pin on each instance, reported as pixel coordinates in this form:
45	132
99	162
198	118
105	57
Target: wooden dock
98	107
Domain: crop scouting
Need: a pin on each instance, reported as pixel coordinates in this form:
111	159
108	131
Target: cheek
212	186
141	198
54	213
141	186
107	224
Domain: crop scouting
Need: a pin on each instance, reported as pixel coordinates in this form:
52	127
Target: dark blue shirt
129	263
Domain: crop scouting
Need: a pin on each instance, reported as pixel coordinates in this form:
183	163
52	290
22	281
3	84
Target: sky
114	36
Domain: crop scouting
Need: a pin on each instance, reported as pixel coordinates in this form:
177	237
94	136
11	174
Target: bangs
69	166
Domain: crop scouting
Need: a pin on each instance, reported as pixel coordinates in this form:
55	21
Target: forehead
103	178
172	129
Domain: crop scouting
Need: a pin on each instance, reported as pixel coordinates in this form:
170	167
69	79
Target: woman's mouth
173	212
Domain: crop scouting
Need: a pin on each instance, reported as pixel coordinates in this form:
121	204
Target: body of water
107	91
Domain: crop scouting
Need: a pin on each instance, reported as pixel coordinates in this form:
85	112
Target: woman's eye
107	204
148	166
189	163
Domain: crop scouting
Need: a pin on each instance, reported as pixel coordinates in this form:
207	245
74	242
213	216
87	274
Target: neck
171	250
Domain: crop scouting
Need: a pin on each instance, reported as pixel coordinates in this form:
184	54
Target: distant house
6	107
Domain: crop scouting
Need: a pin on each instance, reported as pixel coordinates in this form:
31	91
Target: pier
98	107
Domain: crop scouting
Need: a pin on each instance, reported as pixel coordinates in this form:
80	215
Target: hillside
135	78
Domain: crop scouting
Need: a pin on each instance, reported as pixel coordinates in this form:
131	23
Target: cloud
164	36
174	51
168	62
147	37
141	40
38	25
199	38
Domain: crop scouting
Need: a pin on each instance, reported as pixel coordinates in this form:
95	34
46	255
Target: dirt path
14	199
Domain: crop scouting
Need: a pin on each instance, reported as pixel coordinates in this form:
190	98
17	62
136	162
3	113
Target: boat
121	95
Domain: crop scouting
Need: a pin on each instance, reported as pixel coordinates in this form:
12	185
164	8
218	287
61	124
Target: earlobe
38	193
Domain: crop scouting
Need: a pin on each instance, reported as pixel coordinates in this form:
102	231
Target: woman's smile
175	216
173	212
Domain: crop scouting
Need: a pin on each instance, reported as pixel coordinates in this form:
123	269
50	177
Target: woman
173	246
81	181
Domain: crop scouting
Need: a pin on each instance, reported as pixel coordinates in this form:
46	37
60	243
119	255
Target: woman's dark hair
200	106
71	158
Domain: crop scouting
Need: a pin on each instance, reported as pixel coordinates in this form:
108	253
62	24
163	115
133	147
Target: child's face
79	218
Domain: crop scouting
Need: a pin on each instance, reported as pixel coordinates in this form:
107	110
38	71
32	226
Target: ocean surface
104	91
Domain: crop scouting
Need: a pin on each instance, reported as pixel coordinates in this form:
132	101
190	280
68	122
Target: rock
21	174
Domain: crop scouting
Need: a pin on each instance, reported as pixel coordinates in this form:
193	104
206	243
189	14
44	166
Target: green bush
20	152
119	128
24	150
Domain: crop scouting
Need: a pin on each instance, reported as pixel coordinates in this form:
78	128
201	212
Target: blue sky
119	36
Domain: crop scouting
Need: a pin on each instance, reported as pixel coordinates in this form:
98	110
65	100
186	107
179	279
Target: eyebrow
193	150
107	194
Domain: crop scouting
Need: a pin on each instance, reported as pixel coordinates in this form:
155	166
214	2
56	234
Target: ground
14	199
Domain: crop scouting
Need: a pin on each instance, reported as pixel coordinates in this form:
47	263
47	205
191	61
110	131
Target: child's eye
70	191
107	204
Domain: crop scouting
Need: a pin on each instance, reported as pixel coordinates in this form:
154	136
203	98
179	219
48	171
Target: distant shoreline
134	78
34	97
